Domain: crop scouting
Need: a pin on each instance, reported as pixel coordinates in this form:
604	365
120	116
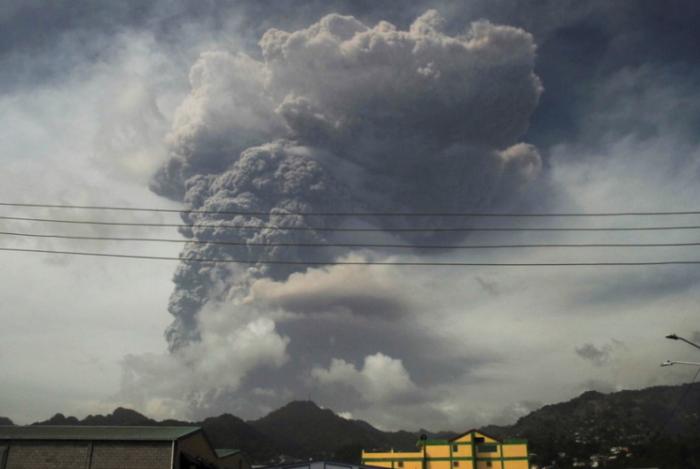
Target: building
316	465
471	450
104	447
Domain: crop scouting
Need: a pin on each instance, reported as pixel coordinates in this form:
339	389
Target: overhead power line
359	230
342	214
352	245
332	263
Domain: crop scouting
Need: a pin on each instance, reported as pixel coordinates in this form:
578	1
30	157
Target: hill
646	422
302	429
229	431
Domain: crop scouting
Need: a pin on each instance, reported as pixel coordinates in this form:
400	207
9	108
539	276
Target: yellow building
471	450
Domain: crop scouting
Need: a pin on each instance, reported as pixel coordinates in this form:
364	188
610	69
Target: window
488	464
455	463
478	439
487	448
455	448
400	463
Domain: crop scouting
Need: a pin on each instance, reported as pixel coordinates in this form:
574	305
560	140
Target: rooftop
85	432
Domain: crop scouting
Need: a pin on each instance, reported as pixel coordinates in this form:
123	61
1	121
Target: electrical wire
332	263
358	230
365	214
351	245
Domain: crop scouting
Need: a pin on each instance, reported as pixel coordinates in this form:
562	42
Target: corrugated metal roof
85	432
225	452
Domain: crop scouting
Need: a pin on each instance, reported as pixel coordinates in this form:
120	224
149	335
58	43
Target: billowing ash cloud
340	117
387	102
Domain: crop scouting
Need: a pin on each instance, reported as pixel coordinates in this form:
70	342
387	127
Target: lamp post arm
677	337
689	342
674	362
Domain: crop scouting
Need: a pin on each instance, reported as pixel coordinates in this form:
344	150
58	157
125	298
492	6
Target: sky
274	108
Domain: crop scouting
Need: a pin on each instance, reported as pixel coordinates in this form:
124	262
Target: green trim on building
514	441
451	457
433	442
472	442
500	454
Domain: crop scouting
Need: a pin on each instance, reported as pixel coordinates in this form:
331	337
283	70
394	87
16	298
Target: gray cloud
488	285
511	413
599	355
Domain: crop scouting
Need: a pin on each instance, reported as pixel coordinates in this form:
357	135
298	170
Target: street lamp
675	362
675	337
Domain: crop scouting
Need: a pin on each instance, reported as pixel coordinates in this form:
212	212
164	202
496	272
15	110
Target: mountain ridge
587	425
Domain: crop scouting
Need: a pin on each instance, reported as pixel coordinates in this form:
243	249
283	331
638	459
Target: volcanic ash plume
341	117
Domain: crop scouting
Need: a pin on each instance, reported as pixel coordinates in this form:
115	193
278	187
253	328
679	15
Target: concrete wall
86	455
131	455
47	455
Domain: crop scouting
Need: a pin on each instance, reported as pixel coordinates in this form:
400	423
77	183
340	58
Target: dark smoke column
342	117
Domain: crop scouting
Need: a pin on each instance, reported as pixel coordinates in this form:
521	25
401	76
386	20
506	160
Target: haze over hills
586	425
